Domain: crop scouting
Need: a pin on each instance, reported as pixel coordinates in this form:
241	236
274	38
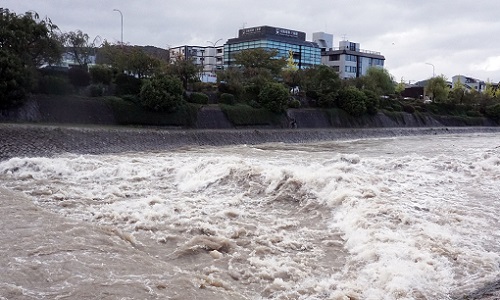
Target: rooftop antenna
344	36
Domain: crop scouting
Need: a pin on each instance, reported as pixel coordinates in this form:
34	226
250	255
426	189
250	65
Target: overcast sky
456	36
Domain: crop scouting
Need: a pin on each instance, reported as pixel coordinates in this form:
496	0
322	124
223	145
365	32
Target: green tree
321	83
400	87
352	100
132	60
379	81
438	89
372	102
490	90
458	93
162	93
274	96
26	42
254	60
78	46
230	81
184	69
13	77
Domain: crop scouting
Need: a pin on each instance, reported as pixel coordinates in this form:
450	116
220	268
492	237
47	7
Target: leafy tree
490	90
132	60
321	81
254	60
78	46
230	81
184	69
274	96
26	42
400	87
352	100
372	102
458	93
13	77
162	93
33	40
438	88
379	81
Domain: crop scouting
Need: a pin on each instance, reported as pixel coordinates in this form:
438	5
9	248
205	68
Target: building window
336	68
350	58
334	57
350	69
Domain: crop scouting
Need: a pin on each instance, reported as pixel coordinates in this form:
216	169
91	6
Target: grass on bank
245	115
130	113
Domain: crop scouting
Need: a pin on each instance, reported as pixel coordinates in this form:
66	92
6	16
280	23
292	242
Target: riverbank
30	140
114	111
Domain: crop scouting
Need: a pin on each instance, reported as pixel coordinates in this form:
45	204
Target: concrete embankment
28	140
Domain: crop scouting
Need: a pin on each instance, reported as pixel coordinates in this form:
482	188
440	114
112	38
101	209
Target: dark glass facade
305	54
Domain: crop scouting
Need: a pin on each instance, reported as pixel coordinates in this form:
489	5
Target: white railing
361	50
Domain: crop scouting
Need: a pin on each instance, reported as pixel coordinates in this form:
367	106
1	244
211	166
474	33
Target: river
412	217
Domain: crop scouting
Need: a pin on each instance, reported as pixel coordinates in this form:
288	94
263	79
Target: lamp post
121	18
433	69
213	45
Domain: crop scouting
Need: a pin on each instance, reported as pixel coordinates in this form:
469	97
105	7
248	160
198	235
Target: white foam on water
407	218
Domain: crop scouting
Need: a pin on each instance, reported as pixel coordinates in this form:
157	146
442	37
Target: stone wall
82	110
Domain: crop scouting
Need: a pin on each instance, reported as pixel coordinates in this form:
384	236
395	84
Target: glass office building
285	41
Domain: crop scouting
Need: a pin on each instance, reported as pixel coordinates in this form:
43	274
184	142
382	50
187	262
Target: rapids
412	217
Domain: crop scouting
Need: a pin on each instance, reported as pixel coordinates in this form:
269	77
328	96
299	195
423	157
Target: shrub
131	98
54	85
327	100
473	113
352	101
372	102
203	87
274	97
254	104
408	108
96	90
127	85
312	94
198	98
396	106
226	98
128	113
101	74
79	77
493	111
162	93
245	115
295	103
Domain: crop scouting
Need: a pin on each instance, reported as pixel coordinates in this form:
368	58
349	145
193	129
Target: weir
19	140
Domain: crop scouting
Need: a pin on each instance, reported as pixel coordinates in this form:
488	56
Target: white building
209	58
348	59
324	40
469	83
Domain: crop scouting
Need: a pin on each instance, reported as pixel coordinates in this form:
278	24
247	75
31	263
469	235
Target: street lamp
121	17
213	44
433	69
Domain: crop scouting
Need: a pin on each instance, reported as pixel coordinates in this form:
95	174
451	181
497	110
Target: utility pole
121	17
